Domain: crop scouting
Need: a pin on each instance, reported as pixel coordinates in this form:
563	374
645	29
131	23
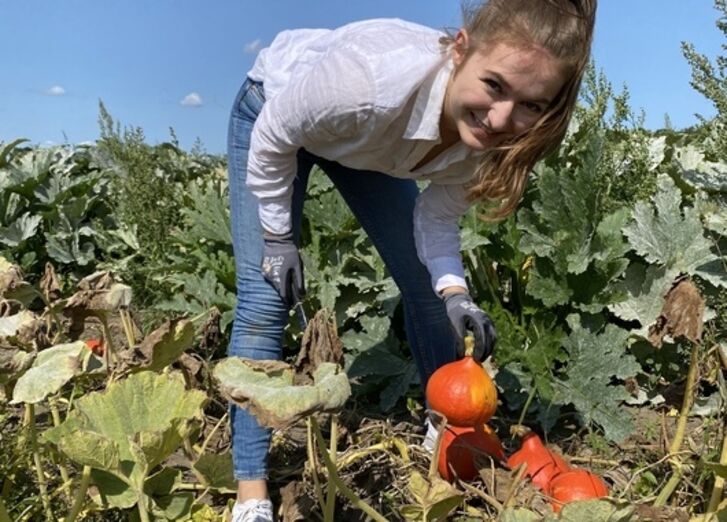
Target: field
608	289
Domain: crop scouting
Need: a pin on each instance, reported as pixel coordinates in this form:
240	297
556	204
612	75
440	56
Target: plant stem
30	412
333	475
61	459
80	494
313	463
143	513
531	396
109	351
716	497
128	327
676	442
331	486
4	515
211	433
434	464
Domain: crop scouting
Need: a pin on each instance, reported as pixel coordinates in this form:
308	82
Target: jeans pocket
250	99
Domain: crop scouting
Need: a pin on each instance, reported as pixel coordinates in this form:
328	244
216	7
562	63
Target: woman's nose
500	116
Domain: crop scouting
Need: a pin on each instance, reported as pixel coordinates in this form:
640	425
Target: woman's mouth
480	129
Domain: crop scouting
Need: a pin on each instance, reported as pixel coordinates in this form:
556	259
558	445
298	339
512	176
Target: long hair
565	29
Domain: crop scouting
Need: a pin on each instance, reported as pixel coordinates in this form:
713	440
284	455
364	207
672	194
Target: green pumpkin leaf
645	288
146	416
666	235
163	483
518	515
91	449
112	491
435	499
172	507
595	511
595	360
215	471
50	371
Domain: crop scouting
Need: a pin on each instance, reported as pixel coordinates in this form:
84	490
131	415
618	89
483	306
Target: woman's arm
436	232
330	101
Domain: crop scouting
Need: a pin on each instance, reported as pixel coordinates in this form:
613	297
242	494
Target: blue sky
178	63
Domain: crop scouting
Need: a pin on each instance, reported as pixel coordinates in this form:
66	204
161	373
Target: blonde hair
564	28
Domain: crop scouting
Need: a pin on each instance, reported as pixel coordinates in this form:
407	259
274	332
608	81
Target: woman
377	105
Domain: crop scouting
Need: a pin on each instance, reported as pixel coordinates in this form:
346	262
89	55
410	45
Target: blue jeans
384	206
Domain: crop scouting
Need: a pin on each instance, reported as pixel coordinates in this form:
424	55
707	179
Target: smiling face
498	92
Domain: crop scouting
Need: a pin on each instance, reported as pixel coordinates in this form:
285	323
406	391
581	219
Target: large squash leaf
666	235
52	369
645	288
143	418
595	360
267	389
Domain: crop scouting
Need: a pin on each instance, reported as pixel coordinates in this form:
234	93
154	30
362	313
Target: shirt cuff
275	216
446	271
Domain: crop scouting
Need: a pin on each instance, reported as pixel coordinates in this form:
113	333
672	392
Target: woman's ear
459	49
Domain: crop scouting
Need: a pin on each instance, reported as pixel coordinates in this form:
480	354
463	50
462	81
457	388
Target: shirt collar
424	121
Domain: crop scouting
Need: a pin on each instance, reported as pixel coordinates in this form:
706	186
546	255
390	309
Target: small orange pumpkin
461	445
462	391
96	346
541	463
576	484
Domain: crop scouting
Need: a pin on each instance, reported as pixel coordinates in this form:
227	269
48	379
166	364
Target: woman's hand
283	268
465	315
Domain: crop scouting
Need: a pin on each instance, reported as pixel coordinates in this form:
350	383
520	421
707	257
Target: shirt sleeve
436	233
331	100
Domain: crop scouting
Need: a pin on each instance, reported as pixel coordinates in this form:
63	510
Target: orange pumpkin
542	465
576	484
462	391
461	445
96	346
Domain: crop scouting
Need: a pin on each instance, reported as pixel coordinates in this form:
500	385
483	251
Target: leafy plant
123	440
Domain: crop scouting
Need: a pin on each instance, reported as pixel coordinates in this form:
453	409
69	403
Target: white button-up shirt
368	95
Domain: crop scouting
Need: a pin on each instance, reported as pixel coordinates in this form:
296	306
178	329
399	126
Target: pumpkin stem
469	346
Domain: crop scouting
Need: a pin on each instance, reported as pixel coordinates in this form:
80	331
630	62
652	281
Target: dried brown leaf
49	284
320	344
211	332
681	316
101	280
295	504
11	276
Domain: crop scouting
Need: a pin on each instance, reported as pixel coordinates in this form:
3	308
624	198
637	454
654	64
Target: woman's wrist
453	290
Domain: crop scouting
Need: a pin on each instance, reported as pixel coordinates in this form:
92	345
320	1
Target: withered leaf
161	347
49	284
681	316
269	389
211	331
101	280
320	343
295	504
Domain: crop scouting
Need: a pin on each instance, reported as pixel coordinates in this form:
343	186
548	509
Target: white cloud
252	47
56	90
193	99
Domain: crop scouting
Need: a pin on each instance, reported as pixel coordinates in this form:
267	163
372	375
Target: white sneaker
430	438
253	510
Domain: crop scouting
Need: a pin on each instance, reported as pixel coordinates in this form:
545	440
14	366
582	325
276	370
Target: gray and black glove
282	267
465	315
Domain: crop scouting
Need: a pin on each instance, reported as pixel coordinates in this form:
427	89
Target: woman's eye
492	85
533	107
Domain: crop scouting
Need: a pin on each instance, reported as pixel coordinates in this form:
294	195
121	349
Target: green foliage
125	439
149	190
711	81
595	359
52	206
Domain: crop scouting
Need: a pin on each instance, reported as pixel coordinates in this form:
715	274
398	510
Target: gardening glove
282	267
465	315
